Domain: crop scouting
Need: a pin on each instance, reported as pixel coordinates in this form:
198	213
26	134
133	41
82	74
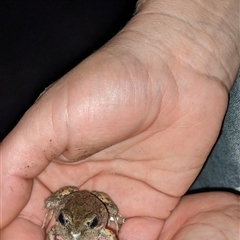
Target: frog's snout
76	235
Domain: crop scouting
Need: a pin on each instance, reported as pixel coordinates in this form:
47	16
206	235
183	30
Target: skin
136	120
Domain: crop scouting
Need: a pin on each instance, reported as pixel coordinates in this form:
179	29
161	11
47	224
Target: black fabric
42	40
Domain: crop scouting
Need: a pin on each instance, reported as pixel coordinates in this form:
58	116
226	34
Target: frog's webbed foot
118	220
47	217
51	233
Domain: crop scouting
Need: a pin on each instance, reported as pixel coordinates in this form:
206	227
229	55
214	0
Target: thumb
24	154
83	113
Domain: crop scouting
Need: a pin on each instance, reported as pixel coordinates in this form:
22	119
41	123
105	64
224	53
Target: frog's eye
62	219
93	223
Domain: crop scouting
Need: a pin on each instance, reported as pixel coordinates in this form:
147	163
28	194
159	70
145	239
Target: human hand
212	215
138	119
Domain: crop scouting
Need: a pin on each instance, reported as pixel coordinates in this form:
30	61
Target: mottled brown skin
81	215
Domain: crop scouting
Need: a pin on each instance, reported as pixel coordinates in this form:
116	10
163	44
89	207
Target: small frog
81	215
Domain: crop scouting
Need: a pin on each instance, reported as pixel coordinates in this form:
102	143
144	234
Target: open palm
126	121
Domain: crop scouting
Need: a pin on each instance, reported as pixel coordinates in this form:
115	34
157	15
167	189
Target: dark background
42	40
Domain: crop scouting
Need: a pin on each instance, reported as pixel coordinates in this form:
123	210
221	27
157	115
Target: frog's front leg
107	234
108	202
54	202
112	209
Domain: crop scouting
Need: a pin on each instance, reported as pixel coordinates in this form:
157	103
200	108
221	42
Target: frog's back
83	203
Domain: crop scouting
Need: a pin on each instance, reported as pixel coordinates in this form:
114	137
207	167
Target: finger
15	193
203	215
200	232
69	121
24	153
141	229
23	229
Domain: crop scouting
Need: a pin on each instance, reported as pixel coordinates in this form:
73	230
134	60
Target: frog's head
75	228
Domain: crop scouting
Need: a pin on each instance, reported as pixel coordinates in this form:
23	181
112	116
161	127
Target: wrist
202	35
